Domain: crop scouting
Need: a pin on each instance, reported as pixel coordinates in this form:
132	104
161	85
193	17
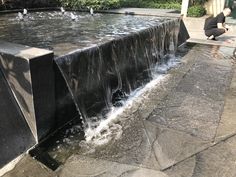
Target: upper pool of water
58	32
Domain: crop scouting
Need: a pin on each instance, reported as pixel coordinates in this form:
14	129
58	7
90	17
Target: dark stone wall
30	74
32	104
18	4
15	134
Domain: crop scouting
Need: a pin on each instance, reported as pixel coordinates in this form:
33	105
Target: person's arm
221	21
221	26
227	27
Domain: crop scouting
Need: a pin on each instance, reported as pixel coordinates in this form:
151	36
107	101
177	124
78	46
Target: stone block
15	135
29	73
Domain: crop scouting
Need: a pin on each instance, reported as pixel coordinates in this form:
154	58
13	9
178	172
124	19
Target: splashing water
91	11
25	12
100	132
20	16
62	10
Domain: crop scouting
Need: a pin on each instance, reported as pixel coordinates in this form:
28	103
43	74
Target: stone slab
217	161
201	39
195	105
78	166
22	51
183	169
227	125
172	147
30	167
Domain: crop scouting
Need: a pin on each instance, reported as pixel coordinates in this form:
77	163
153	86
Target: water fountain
20	16
72	16
98	62
91	11
62	10
25	12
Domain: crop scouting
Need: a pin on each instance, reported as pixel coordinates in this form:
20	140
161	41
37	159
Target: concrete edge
210	42
22	51
11	165
198	18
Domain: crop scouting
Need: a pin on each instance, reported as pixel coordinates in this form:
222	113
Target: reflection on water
58	32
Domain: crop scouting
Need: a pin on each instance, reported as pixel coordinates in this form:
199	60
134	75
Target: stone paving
178	138
183	127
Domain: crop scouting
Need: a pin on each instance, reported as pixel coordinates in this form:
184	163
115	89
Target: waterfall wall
39	95
95	75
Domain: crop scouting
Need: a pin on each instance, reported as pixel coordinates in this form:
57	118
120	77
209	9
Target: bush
197	2
95	4
196	11
132	3
159	4
164	5
111	4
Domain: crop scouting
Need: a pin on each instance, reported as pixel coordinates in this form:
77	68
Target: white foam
109	129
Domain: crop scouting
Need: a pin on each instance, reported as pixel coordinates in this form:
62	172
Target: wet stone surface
30	167
85	166
195	105
178	138
133	147
170	146
216	161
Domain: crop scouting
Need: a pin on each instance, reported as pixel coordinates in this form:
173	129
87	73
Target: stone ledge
22	51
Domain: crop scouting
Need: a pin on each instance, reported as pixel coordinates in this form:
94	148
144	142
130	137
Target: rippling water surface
54	31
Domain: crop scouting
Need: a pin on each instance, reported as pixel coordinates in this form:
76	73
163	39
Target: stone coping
146	12
22	51
128	11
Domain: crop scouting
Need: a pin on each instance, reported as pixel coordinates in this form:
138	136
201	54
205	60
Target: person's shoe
212	38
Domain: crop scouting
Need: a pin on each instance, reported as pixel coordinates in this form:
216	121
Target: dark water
102	58
52	30
99	76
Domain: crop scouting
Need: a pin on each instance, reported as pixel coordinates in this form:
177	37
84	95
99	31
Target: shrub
196	11
132	3
164	5
95	4
111	4
159	4
197	2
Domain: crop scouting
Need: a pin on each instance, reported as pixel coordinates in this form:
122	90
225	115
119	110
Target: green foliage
131	3
166	1
196	11
111	4
164	5
197	2
159	4
95	4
